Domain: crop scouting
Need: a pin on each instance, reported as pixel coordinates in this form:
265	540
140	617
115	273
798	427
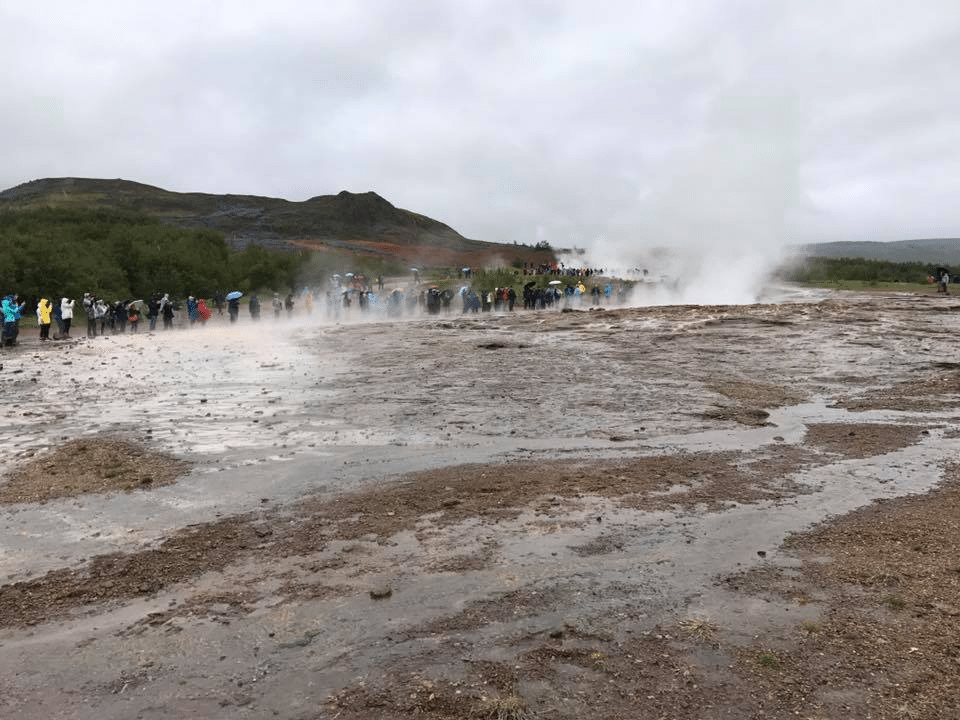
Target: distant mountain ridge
940	251
354	222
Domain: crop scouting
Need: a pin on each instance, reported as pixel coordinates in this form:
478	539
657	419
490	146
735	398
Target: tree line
54	252
817	270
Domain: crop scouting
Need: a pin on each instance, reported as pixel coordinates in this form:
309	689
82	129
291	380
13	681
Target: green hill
937	251
362	223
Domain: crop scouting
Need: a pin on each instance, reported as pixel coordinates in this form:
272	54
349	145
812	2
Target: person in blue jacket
12	311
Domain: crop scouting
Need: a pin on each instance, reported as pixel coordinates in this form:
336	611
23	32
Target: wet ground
537	514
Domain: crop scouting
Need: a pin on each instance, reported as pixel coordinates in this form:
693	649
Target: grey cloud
620	124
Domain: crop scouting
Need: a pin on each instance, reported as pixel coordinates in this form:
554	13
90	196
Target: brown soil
888	642
86	465
862	440
939	390
500	492
745	401
886	645
424	502
121	576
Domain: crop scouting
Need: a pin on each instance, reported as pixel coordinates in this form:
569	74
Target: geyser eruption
712	219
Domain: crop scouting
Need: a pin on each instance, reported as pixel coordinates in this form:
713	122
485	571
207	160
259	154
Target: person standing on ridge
153	311
44	317
168	313
133	316
100	312
66	314
192	309
88	310
203	312
11	318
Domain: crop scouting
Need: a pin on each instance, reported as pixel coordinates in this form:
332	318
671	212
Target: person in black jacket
153	311
168	314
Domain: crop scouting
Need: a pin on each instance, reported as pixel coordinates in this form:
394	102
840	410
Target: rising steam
710	221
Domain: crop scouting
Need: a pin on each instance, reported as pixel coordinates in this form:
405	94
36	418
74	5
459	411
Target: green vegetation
497	277
861	285
486	280
122	254
768	660
361	223
895	602
53	252
119	238
857	273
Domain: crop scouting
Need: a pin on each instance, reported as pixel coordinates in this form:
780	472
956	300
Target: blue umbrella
235	295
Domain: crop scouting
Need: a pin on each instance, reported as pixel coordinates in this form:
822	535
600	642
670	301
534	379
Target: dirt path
683	512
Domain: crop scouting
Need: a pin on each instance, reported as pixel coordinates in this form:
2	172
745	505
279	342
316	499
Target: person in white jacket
66	312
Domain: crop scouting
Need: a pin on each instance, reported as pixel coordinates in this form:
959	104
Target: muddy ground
671	512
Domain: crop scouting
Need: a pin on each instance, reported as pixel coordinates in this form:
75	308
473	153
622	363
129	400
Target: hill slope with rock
943	251
349	222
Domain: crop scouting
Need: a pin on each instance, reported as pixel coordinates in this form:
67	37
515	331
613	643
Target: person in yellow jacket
44	316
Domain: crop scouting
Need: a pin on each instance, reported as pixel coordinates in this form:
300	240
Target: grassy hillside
936	251
360	223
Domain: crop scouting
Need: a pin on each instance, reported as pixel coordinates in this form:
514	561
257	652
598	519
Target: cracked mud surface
683	512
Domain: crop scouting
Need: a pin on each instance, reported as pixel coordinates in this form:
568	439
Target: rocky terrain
667	512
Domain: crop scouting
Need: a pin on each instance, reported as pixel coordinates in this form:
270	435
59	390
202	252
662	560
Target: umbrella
527	286
235	295
135	303
556	282
349	274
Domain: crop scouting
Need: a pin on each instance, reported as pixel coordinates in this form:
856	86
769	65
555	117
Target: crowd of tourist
47	312
340	298
102	317
559	269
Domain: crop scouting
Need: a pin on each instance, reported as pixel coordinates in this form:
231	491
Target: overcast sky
603	124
